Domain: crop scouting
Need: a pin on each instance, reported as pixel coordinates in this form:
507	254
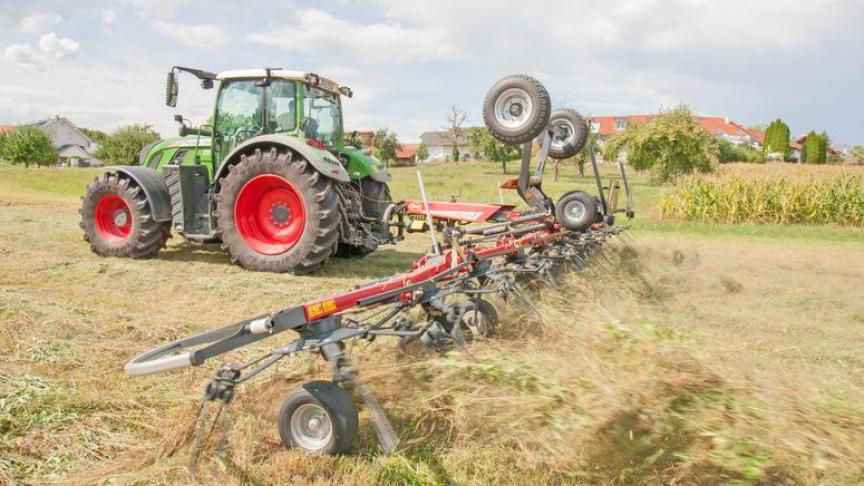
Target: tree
584	155
729	152
29	145
384	145
97	136
671	144
123	146
858	153
777	139
815	150
483	142
422	152
455	132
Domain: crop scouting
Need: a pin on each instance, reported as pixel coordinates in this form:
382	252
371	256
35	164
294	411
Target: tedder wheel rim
574	210
513	108
269	214
562	133
476	322
113	218
311	427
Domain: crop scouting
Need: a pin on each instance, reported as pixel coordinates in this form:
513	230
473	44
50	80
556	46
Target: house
74	148
6	128
440	145
406	153
721	127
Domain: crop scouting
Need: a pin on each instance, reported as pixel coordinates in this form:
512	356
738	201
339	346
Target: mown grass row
736	198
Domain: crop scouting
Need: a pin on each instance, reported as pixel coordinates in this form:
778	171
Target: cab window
281	106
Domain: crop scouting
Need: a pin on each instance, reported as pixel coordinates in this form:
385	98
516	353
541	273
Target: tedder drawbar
482	249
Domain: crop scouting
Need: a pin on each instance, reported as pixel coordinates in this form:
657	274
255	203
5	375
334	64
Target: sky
102	63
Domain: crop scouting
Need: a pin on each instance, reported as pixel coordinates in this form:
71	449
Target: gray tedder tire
258	208
516	109
577	211
319	418
569	133
118	221
478	319
375	199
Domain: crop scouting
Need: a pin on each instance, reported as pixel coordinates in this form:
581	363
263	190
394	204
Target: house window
620	124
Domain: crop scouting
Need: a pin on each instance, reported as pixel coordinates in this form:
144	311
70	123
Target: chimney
726	120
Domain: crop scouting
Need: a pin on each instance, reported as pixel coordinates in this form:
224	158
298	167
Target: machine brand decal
321	308
415	206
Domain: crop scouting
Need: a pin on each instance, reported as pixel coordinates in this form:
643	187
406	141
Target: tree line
29	145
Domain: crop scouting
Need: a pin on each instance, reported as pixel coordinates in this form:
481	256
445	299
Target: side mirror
171	89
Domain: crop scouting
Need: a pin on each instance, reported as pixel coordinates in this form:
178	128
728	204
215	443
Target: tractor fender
154	187
324	163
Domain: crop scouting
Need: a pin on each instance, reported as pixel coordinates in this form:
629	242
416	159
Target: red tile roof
713	124
7	128
407	150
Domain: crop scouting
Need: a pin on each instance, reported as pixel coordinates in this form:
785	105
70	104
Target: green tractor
270	177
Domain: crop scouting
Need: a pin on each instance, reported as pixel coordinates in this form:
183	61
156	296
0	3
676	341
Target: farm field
698	354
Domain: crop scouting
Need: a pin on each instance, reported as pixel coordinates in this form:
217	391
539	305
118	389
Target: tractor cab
255	102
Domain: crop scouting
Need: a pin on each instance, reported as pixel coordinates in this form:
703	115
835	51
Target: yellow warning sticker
321	308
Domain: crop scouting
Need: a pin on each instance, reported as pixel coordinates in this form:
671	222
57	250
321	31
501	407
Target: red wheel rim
113	218
269	214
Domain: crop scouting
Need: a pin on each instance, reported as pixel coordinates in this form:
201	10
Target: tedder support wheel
117	219
319	418
276	213
477	319
577	210
569	133
516	109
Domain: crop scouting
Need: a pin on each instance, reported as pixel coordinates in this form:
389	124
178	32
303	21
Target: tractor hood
362	164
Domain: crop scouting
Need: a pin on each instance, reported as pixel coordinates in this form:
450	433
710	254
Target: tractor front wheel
277	213
117	219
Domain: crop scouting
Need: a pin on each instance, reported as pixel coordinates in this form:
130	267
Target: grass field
701	354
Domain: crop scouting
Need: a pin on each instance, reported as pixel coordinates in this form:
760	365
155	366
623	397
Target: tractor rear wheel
276	213
117	219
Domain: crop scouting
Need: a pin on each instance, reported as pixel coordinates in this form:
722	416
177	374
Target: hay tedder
478	251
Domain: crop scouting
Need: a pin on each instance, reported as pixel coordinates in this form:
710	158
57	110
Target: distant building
406	154
720	127
74	148
440	145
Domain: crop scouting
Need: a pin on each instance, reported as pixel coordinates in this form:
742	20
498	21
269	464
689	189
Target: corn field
778	194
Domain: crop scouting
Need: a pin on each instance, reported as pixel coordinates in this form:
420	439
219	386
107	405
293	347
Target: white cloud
318	33
48	51
107	18
37	23
203	35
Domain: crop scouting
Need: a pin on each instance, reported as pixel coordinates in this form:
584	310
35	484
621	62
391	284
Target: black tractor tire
375	197
517	109
569	133
329	404
320	232
577	211
137	235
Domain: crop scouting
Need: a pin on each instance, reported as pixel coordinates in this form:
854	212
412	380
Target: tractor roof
320	81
